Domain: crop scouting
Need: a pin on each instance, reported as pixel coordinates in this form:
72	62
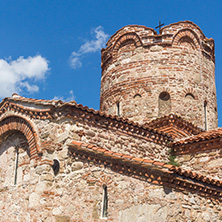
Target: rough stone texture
77	196
66	130
138	65
205	162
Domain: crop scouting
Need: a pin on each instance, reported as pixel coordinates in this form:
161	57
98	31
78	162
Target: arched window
16	164
118	109
104	211
14	152
137	104
164	103
205	114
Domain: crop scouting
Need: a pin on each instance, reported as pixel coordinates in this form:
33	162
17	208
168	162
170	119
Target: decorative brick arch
139	91
124	38
191	91
166	89
190	37
16	123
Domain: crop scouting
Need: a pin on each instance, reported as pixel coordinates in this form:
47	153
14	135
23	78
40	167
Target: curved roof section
171	29
129	28
149	37
188	24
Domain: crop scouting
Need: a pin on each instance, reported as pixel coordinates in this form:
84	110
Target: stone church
152	153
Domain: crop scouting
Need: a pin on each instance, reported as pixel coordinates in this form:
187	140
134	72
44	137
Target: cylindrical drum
146	75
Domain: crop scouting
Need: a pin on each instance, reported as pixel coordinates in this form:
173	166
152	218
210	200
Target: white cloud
19	75
89	46
71	97
29	88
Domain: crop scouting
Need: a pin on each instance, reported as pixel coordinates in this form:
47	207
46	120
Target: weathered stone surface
144	213
207	162
77	166
34	200
62	219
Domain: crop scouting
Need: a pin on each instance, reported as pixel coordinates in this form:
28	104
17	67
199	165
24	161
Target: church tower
146	75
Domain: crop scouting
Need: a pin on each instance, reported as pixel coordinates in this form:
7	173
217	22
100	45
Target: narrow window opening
118	109
16	164
55	167
205	114
104	212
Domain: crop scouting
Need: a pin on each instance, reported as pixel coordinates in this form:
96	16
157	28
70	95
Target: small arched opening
189	96
118	109
164	103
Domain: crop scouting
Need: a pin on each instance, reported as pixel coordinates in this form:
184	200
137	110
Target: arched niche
126	39
186	42
186	38
189	96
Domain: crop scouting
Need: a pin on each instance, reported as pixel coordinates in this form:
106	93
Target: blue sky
51	49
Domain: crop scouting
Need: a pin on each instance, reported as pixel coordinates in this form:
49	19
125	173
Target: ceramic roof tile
208	135
173	119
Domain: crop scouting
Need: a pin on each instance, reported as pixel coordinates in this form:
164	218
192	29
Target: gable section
175	126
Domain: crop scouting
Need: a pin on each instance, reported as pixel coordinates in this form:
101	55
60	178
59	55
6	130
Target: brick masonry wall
138	65
75	194
37	189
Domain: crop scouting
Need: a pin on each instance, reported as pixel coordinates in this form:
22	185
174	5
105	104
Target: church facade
151	153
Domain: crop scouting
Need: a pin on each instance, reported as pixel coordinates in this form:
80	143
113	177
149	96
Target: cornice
151	171
57	109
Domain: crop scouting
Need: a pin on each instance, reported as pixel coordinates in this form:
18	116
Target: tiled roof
204	136
12	104
175	126
59	103
161	173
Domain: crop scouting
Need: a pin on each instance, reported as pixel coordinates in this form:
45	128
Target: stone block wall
56	135
207	163
36	194
76	194
138	66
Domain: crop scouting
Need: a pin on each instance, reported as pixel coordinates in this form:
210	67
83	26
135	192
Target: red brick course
15	123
